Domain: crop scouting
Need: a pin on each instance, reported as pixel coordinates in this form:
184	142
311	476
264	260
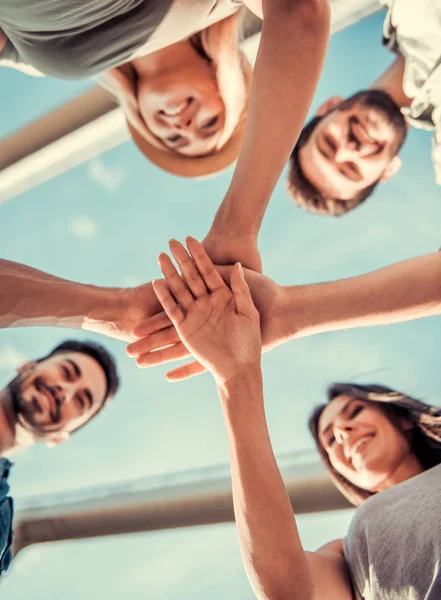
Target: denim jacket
6	513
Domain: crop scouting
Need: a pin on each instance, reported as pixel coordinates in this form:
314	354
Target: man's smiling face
354	145
55	396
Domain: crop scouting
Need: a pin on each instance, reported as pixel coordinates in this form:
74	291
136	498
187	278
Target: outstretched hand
218	324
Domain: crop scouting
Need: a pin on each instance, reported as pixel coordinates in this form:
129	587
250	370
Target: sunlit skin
179	99
348	151
55	397
364	446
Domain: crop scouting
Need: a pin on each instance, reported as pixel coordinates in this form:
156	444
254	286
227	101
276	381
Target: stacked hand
159	341
219	325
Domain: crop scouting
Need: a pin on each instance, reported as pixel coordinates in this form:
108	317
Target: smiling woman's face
362	444
186	113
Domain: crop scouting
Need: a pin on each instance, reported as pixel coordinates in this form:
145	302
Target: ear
26	366
59	438
328	105
393	167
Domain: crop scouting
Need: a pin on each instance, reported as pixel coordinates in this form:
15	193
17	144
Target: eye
356	411
211	123
80	402
174	138
331	441
67	374
330	142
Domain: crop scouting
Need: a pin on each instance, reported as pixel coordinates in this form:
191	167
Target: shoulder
330	572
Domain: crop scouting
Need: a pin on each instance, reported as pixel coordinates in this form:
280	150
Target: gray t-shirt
413	29
393	546
72	39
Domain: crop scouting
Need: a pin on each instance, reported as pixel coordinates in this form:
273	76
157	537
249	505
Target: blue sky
104	222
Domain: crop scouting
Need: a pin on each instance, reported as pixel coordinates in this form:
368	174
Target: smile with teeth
174	111
48	396
359	444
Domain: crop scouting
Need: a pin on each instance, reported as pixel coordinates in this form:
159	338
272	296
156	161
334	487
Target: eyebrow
74	366
340	412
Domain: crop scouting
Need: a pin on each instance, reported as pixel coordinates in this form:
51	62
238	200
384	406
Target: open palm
217	324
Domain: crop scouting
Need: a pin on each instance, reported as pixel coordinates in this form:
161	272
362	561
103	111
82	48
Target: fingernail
240	268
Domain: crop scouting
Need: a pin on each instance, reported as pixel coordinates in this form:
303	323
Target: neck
407	469
8	442
162	61
391	82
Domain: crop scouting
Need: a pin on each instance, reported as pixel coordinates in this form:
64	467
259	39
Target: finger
185	372
204	265
151	325
177	286
241	292
151	359
190	274
160	339
169	304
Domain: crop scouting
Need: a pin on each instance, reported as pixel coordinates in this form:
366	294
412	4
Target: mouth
175	110
360	446
50	403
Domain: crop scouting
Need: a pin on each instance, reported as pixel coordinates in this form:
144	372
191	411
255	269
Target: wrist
104	310
244	378
232	220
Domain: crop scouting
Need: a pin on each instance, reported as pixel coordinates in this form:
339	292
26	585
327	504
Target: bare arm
30	297
401	292
274	559
289	62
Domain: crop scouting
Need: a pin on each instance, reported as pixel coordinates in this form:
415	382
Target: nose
64	392
342	431
183	121
344	153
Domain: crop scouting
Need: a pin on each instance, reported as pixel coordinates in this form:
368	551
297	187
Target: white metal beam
180	500
92	124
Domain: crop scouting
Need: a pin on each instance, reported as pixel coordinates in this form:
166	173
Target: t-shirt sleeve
10	57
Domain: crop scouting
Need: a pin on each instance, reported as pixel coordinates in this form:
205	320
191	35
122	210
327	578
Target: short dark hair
306	195
102	357
425	436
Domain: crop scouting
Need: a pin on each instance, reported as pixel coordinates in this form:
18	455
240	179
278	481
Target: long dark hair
425	434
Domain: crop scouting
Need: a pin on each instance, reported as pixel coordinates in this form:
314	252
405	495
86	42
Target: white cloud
83	227
11	357
109	178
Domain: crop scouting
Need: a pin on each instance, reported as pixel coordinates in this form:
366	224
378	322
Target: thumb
241	291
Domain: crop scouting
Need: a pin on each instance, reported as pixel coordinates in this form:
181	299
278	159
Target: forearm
270	545
289	61
401	292
33	298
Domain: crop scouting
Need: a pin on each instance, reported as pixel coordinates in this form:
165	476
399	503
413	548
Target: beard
24	411
382	104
